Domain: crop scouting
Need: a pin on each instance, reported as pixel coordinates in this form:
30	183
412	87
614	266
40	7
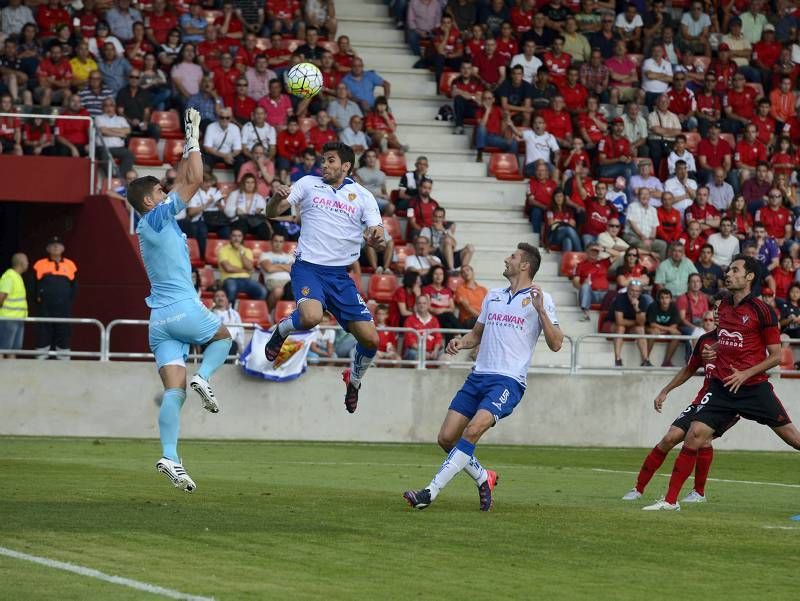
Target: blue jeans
587	297
11	332
484	139
567	238
251	288
537	217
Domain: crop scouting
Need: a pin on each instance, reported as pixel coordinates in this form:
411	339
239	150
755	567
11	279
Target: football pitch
327	521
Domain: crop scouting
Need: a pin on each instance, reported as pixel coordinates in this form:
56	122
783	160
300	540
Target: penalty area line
780	484
97	575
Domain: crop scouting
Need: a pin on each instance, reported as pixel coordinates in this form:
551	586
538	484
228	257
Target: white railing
99	354
92	159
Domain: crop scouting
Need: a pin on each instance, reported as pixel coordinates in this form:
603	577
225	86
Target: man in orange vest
56	284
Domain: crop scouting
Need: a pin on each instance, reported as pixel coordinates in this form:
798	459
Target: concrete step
361	9
487	215
376	31
435	142
488	238
431	128
386	48
479	185
497	228
456	168
409	81
395	60
423	108
445	156
451	197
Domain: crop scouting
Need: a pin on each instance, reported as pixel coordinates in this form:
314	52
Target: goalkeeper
177	317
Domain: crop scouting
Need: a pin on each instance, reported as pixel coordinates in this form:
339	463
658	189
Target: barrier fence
572	363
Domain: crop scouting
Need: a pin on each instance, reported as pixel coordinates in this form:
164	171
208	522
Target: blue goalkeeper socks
169	421
214	356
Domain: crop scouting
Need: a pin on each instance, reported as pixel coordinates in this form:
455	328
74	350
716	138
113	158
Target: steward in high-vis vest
13	305
56	285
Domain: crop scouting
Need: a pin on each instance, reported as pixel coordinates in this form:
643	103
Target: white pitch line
781	484
76	569
781	527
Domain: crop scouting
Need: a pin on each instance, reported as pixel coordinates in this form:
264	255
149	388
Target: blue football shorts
497	394
332	287
174	327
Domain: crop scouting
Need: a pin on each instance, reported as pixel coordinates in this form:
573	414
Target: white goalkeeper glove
191	119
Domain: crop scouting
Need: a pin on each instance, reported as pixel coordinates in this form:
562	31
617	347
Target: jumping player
507	329
748	344
334	210
677	431
177	317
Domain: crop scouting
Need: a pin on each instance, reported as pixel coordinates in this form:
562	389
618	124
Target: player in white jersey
334	210
507	329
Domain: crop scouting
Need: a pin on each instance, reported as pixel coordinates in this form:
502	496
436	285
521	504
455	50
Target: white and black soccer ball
304	80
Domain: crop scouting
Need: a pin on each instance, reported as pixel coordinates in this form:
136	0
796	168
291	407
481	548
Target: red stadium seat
454	281
258	247
283	309
382	287
254	311
787	362
306	123
569	262
393	163
402	252
194	253
289	247
173	151
207	277
692	140
393	228
212	248
504	166
446	82
169	122
145	151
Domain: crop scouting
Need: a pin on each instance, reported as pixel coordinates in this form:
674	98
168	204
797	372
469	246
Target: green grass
326	521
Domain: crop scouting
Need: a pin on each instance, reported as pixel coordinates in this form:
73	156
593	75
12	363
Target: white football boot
694	497
176	474
632	495
662	505
201	386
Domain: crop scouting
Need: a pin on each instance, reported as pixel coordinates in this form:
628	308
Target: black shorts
456	257
684	420
757	403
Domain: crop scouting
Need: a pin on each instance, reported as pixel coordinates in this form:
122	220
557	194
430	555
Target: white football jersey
332	220
511	328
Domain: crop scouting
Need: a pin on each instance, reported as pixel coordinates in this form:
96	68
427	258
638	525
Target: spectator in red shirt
231	28
756	189
10	130
522	16
703	212
330	76
87	19
72	135
49	16
739	105
749	153
138	47
291	143
776	218
277	104
55	78
541	190
443	304
560	220
422	320
713	152
573	92
466	92
592	125
225	77
784	277
742	221
708	108
490	66
382	127
242	105
209	51
37	135
387	341
158	23
559	121
669	220
557	61
491	129
598	213
764	123
681	101
285	17
766	53
403	299
446	50
591	279
344	58
421	208
322	132
247	52
614	156
693	241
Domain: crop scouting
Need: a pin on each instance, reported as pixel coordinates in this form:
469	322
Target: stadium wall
118	399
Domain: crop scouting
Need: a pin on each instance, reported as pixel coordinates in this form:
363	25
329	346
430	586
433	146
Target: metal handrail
69	353
92	183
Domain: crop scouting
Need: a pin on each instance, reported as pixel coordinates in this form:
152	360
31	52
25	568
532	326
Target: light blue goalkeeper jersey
165	254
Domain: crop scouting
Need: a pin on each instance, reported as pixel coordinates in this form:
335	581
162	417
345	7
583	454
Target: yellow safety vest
15	305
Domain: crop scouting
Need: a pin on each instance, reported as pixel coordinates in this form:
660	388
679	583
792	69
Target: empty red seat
393	162
283	309
382	287
169	123
446	82
212	248
145	151
289	247
569	262
194	253
173	151
504	166
394	229
254	311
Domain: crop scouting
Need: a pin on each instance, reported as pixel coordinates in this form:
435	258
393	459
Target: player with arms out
334	210
748	344
677	431
177	317
507	329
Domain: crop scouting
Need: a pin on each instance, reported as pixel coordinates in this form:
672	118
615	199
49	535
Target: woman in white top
249	208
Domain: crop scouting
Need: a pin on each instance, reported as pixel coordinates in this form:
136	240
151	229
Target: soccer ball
304	80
